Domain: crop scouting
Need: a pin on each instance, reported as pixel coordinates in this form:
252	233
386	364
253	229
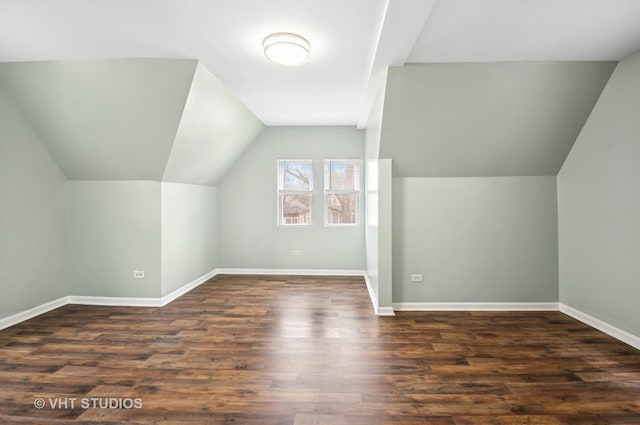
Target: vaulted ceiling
351	41
133	119
88	77
487	119
102	120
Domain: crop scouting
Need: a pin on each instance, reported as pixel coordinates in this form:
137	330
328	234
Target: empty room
305	212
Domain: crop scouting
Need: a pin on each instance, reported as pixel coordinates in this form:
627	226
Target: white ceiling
352	40
529	30
226	35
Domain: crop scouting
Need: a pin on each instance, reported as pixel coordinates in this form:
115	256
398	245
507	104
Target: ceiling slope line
215	129
179	124
109	119
402	24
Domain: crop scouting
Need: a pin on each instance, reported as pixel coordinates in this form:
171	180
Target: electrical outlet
296	252
138	274
416	278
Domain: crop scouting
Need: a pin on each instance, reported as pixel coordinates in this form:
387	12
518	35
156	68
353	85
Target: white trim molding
104	301
379	311
293	272
385	311
143	302
159	302
605	327
372	294
32	312
624	336
115	301
471	306
188	287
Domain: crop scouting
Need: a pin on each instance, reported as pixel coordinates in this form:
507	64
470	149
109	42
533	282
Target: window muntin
295	192
342	192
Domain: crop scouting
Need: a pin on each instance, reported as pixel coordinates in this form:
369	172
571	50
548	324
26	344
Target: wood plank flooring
308	350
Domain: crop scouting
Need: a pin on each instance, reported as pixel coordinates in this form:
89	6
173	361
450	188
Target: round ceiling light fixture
286	48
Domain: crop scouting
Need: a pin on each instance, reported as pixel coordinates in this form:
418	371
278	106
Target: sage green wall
378	226
487	119
104	120
189	233
249	236
372	163
114	229
385	233
33	242
599	207
214	130
485	239
133	119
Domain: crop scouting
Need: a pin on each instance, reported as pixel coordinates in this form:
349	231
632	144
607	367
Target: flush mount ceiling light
286	48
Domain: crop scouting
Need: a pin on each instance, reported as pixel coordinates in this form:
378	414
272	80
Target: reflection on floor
308	350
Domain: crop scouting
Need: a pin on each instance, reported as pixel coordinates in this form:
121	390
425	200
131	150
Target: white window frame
281	220
357	191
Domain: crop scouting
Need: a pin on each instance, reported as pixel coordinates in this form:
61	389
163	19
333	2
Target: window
342	192
295	192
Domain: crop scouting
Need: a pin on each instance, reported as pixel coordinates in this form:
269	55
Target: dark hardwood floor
308	350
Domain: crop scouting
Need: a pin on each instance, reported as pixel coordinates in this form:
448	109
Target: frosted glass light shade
286	48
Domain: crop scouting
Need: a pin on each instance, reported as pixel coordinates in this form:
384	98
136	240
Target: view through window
342	191
295	191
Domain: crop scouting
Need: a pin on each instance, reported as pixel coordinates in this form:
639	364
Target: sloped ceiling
226	35
132	119
104	120
487	119
528	30
351	41
215	129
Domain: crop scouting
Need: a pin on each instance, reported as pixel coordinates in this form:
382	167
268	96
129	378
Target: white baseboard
188	287
379	311
293	272
32	312
159	302
471	306
142	302
115	301
611	330
372	294
385	311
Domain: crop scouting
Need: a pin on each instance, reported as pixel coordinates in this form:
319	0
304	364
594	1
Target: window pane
342	208
297	175
342	175
296	208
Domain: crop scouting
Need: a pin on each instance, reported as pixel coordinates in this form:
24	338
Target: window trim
280	191
358	191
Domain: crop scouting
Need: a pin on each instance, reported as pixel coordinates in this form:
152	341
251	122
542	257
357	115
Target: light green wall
378	226
599	207
249	236
385	233
487	119
114	229
33	243
214	131
372	150
189	233
475	239
103	120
